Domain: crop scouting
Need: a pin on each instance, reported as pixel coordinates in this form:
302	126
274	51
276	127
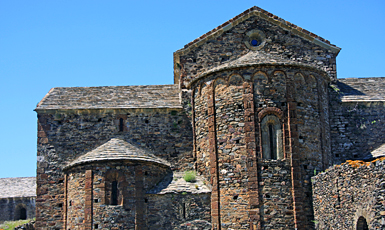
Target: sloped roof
362	89
114	150
174	183
17	187
111	97
254	58
269	16
378	152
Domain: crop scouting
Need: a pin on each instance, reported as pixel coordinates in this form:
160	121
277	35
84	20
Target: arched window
114	188
114	193
362	224
271	130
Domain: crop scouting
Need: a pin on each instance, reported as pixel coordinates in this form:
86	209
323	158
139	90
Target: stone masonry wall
104	214
230	45
172	211
10	208
346	192
357	128
65	135
299	97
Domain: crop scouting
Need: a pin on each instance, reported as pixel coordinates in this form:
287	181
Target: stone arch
299	79
218	82
20	212
236	80
115	183
271	133
271	137
362	224
260	80
311	81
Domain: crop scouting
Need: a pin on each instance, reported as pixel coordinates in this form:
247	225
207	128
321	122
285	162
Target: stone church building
256	111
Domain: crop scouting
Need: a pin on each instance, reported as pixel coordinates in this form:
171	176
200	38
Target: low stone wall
179	211
348	192
27	226
11	208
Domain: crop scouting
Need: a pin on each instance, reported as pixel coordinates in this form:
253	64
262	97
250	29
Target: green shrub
189	176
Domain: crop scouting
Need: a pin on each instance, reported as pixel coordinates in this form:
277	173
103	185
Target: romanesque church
256	132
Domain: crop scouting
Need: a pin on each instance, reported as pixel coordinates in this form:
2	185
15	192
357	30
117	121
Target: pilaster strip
297	193
88	200
215	195
252	160
139	203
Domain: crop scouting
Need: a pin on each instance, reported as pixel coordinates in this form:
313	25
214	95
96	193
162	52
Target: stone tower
258	91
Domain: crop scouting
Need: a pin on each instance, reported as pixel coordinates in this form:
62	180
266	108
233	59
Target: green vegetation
189	176
12	224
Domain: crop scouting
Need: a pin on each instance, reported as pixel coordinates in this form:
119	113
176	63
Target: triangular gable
232	23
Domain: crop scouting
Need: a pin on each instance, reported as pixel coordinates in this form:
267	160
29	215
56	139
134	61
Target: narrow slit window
114	193
121	125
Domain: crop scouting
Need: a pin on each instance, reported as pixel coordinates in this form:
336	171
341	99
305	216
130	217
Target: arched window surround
271	132
114	187
20	212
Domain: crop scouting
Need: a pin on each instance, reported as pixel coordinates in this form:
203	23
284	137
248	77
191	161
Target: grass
189	176
12	224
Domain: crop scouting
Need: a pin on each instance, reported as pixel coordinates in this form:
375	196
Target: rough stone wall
230	142
175	210
229	45
104	214
65	135
201	129
357	127
10	208
306	144
277	200
346	192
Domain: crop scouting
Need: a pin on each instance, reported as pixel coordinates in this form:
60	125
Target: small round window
255	39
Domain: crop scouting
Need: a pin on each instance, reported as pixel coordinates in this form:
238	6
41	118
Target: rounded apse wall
270	116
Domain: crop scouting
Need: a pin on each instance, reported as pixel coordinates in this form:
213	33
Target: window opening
121	125
362	224
271	137
23	214
114	193
272	143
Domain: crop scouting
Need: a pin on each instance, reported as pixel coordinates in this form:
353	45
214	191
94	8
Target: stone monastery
256	111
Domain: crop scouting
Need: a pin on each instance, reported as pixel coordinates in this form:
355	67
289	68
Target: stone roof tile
111	97
18	187
117	149
362	89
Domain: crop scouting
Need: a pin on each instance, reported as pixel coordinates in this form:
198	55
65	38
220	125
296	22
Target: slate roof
17	187
111	97
117	149
253	58
362	89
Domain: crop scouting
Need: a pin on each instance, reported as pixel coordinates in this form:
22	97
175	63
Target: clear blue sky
45	44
